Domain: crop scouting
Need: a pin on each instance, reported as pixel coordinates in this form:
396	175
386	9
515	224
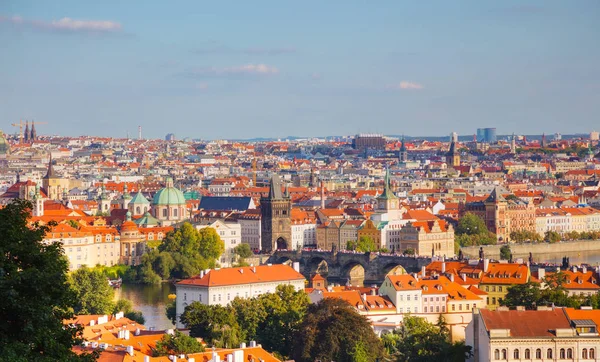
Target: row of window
562	354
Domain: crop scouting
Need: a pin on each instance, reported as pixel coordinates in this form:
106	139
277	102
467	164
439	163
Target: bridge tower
276	221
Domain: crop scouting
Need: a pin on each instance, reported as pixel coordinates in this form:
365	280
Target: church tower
26	133
276	221
33	135
496	218
104	201
387	201
452	156
403	156
513	144
51	182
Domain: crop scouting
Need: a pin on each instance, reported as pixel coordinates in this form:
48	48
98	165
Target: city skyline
277	70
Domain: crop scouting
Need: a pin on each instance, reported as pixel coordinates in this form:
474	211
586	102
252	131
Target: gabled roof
495	196
139	198
403	282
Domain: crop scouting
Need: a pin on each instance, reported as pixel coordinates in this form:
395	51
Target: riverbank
582	251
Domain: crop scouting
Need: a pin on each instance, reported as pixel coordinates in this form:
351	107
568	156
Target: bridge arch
393	268
318	265
285	260
354	272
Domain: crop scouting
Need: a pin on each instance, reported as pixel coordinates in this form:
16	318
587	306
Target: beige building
428	238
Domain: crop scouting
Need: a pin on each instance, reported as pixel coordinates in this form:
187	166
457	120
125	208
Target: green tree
334	331
163	265
551	236
422	341
243	251
214	324
471	224
285	309
249	314
176	344
366	244
211	245
36	297
94	294
527	295
409	251
505	252
351	245
125	306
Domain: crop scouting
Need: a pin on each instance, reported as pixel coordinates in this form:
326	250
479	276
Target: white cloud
406	85
65	24
246	69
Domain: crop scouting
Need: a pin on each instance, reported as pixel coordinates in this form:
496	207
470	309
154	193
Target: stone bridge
348	267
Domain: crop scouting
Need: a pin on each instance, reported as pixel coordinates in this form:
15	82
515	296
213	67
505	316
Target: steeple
275	188
33	132
50	174
403	153
26	133
452	156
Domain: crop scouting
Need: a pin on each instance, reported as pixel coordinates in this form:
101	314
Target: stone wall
523	250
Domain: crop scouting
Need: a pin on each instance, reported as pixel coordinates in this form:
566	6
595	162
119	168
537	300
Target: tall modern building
486	135
170	137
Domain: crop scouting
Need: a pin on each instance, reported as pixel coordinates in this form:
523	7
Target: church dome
4	147
169	195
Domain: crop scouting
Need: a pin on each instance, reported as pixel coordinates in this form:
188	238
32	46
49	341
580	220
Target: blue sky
241	69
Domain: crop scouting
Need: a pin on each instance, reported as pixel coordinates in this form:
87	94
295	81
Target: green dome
4	147
169	196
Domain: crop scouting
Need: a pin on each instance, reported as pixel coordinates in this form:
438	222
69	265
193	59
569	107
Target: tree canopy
175	344
35	291
94	294
421	341
505	252
334	331
366	244
181	254
471	231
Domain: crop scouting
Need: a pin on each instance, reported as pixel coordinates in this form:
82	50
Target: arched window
561	354
549	353
527	354
516	354
504	355
570	353
497	354
538	353
592	353
138	210
584	354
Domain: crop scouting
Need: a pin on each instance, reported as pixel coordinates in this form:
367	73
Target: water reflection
151	300
575	257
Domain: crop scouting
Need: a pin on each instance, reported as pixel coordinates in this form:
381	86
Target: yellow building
498	277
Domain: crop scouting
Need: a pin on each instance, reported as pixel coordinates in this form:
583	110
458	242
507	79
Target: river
151	300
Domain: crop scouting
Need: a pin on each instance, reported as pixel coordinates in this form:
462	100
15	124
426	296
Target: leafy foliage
366	244
505	252
421	341
525	235
471	231
243	251
182	254
94	294
36	297
551	236
272	319
334	331
176	344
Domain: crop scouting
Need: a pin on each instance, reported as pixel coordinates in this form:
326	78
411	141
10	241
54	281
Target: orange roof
500	273
526	323
244	275
403	282
419	215
594	315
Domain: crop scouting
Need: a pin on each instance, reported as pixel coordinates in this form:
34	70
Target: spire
387	191
402	146
26	133
50	174
33	132
495	196
275	188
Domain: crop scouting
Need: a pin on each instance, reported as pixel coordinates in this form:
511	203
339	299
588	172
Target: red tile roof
526	323
244	275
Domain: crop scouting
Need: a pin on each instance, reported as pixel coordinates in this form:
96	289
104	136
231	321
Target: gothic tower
33	135
26	133
496	218
276	222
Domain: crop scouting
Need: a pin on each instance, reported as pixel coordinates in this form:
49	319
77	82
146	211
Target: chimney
574	269
541	273
229	358
191	359
322	195
242	345
92	323
215	357
584	269
126	335
238	355
241	271
451	277
364	297
443	267
137	332
296	266
373	291
201	273
423	271
130	350
147	359
463	276
252	343
486	264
